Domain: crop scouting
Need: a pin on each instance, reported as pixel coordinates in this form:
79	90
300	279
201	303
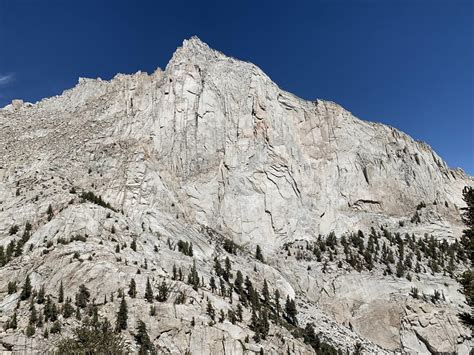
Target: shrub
92	338
91	197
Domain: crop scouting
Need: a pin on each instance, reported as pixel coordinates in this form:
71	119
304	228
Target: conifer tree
239	280
30	330
122	316
231	315
239	312
190	250
266	293
212	284
40	297
210	310
222	287
3	259
33	315
133	245
26	291
264	325
68	308
258	254
50	310
217	266
61	293
277	302
50	212
254	325
175	272
82	297
132	289
400	269
227	275
193	277
290	309
142	339
12	287
40	321
148	291
162	292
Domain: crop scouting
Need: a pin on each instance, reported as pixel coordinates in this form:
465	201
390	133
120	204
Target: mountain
134	177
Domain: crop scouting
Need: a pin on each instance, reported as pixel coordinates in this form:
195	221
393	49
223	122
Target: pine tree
68	309
190	251
133	245
239	280
10	250
26	291
222	287
400	269
148	291
50	311
277	303
290	309
264	325
33	315
40	321
258	254
248	285
132	289
210	310
3	258
82	298
162	292
56	327
142	339
310	337
193	277
212	284
30	330
217	266
50	213
12	287
175	272
239	312
61	293
254	325
232	317
227	275
122	316
78	313
266	293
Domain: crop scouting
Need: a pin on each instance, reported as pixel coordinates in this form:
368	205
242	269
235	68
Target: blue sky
406	63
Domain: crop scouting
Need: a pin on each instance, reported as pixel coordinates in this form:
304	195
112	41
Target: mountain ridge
209	151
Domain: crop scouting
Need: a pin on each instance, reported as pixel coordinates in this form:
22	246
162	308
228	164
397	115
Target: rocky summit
201	209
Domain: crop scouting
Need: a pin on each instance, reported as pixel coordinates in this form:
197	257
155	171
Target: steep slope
210	149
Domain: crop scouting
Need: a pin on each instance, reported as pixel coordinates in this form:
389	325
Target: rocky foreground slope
116	180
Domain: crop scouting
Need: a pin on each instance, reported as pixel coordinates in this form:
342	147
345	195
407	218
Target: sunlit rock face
210	148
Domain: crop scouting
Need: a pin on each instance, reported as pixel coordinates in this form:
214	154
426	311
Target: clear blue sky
406	63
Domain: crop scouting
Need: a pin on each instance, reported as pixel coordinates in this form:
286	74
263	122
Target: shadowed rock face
212	142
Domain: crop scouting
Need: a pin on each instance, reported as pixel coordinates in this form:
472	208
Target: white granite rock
212	141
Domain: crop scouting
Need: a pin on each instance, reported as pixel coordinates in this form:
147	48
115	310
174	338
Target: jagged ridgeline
203	210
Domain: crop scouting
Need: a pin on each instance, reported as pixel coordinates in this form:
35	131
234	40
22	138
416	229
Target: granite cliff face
210	149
